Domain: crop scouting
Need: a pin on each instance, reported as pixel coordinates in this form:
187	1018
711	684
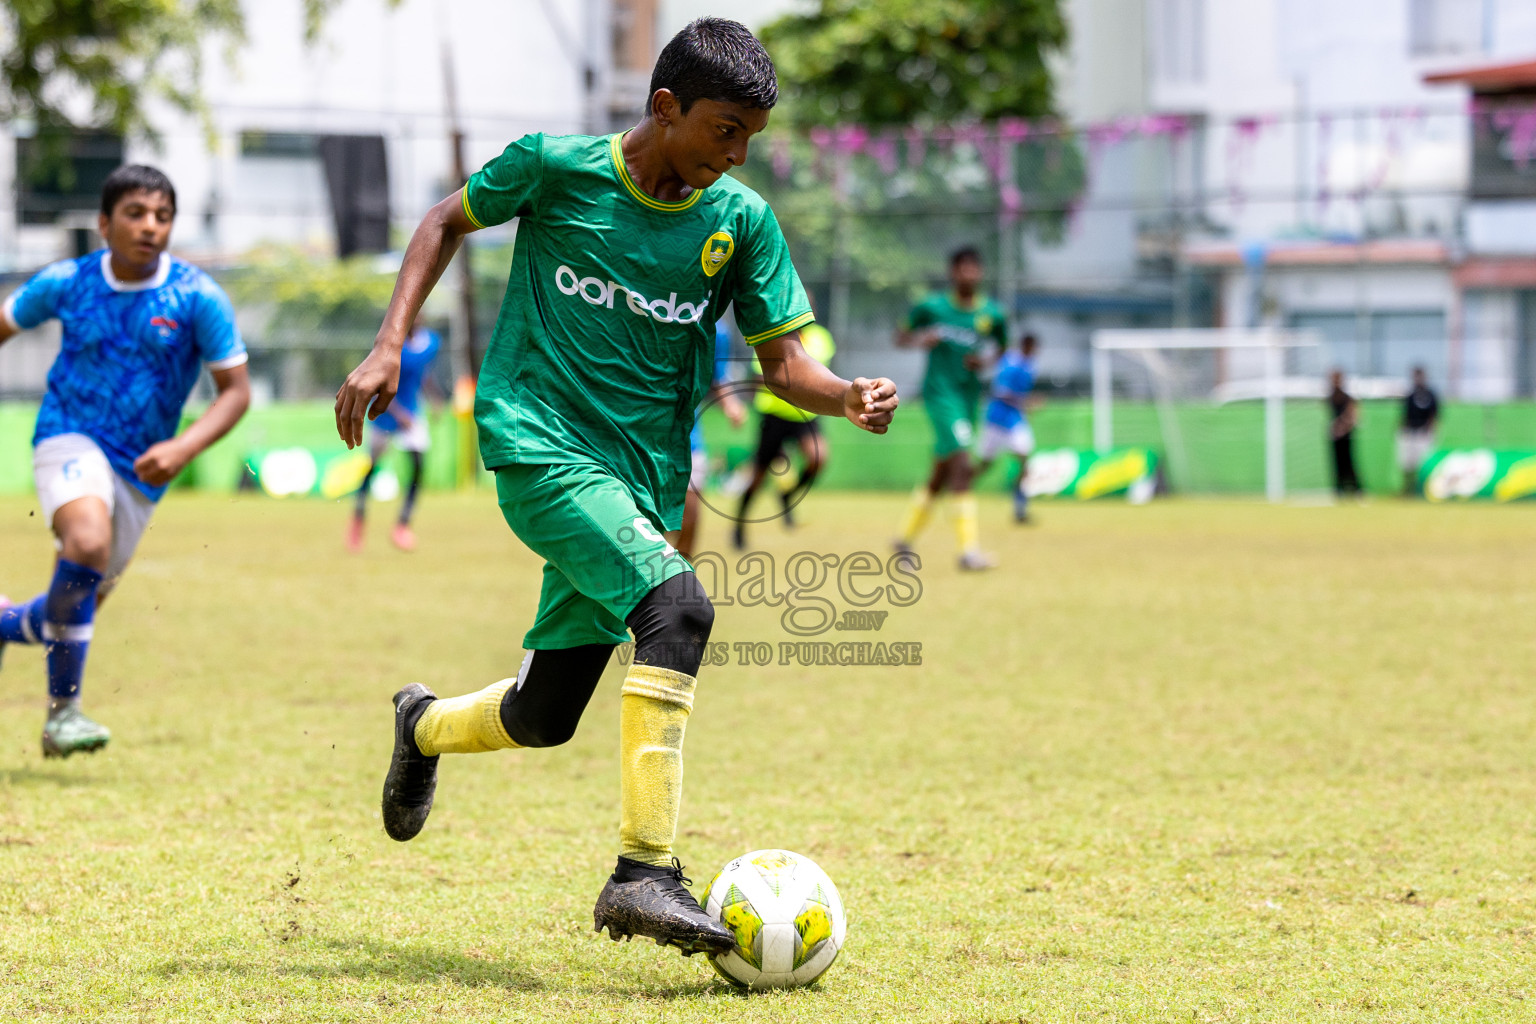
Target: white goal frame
1272	342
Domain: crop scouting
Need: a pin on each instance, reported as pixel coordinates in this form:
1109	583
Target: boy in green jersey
628	248
962	331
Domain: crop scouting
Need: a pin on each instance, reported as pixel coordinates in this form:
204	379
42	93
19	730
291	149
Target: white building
1336	186
517	66
378	78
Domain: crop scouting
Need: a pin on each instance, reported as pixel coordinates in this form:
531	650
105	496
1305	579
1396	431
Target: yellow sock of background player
918	511
967	523
653	715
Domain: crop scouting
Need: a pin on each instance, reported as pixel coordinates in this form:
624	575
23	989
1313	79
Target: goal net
1228	411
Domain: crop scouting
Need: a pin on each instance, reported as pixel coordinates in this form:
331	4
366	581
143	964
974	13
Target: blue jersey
722	367
131	352
1014	379
415	360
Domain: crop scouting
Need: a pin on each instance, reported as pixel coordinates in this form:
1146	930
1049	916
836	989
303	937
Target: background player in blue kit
405	424
1006	424
138	327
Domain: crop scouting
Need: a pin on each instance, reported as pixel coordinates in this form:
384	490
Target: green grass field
1188	762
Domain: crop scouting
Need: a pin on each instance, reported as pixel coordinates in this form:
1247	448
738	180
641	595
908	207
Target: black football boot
641	899
412	778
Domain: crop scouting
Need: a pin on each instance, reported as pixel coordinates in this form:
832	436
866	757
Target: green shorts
952	417
603	551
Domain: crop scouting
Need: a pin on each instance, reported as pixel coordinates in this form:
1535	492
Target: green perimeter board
1223	445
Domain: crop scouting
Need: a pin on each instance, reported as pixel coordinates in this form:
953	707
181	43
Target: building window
1379	343
1447	26
63	175
279	145
1177	32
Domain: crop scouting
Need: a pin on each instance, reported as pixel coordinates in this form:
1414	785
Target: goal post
1211	365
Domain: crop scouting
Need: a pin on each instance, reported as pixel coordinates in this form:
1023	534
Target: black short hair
134	178
1028	341
716	59
968	252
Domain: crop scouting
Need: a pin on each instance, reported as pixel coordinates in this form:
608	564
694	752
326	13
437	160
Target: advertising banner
1083	474
300	471
1461	474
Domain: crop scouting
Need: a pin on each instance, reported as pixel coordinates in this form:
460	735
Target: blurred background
1362	172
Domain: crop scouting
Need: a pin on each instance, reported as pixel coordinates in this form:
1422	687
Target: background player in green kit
628	249
963	331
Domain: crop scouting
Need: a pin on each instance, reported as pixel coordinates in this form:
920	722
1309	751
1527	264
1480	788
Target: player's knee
550	729
696	620
89	546
672	625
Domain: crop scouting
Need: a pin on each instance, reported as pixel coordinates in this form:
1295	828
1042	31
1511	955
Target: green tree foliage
304	290
948	73
96	63
917	61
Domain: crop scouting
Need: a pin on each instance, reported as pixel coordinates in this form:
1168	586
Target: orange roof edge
1488	76
1419	251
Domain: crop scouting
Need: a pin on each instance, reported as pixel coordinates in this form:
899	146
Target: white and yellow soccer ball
787	917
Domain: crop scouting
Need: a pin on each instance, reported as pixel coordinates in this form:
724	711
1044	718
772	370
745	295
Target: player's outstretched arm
159	465
917	337
791	373
370	388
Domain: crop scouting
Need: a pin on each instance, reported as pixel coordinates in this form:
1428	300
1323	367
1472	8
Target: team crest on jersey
983	323
717	250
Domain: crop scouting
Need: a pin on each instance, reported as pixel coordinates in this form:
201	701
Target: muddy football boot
641	899
69	730
412	778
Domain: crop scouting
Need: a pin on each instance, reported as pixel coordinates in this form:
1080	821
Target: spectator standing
1341	429
1416	436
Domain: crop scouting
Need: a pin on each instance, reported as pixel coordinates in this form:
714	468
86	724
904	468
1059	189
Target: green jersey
963	330
604	345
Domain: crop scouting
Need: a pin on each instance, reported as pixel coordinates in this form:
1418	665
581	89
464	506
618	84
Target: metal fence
1082	227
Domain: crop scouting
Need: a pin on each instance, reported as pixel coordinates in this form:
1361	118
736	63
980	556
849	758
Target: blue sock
67	625
23	623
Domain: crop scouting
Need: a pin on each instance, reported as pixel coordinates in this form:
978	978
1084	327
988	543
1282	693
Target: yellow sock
470	724
967	522
653	713
917	514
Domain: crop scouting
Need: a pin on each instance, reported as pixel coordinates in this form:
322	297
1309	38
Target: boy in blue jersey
1007	422
405	424
138	327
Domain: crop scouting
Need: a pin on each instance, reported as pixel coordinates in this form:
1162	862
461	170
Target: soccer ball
787	917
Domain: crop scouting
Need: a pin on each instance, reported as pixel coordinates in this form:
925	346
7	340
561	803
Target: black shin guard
409	505
542	710
803	484
672	625
362	490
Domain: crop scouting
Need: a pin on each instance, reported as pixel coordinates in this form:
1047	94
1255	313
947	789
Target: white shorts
72	466
1413	448
415	438
1020	440
699	473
